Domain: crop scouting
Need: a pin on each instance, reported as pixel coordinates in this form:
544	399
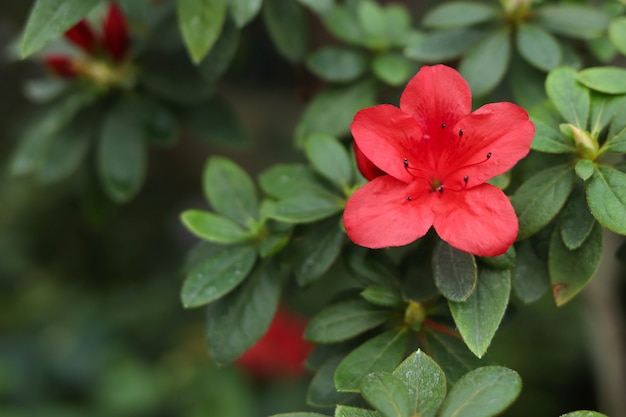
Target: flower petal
386	135
116	38
379	214
82	36
437	94
480	220
366	167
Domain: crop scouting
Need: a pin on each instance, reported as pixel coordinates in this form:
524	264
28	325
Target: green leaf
332	110
321	391
201	22
584	414
584	169
48	19
538	200
455	272
337	64
317	251
230	190
243	11
217	275
570	270
569	97
213	227
483	392
575	21
398	29
291	180
504	261
121	153
538	47
451	354
603	109
237	321
527	83
617	34
381	295
343	25
426	382
347	411
288	27
443	45
530	275
343	321
610	80
158	123
299	414
371	17
217	61
304	209
382	353
330	159
458	14
387	393
321	7
478	317
392	68
607	199
576	221
484	66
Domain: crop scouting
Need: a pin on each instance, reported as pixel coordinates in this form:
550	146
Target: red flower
115	37
82	36
428	162
281	352
61	65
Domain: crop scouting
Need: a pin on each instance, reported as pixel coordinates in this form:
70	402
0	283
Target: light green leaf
444	45
584	169
606	196
484	66
603	109
610	80
291	180
337	64
330	159
617	34
347	411
299	414
243	11
387	393
455	272
200	22
478	317
343	25
381	295
304	209
426	382
392	68
371	17
538	47
213	227
570	98
458	14
584	414
576	21
288	27
48	19
530	275
321	7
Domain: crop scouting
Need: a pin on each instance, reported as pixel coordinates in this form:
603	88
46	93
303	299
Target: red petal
116	33
367	168
386	135
82	36
436	95
379	214
501	130
61	65
480	220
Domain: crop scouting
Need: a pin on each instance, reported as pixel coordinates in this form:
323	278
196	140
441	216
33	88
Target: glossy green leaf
571	270
484	66
483	392
243	11
570	97
584	413
426	382
230	190
381	295
610	80
478	317
347	411
321	391
607	199
576	21
304	209
387	393
538	200
343	321
332	110
576	221
530	275
48	20
538	47
617	34
392	68
443	45
201	22
451	354
455	272
584	169
121	154
337	64
288	27
237	321
217	275
213	227
458	14
317	251
382	353
330	159
291	180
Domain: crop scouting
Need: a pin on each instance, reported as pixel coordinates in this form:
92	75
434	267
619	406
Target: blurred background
91	322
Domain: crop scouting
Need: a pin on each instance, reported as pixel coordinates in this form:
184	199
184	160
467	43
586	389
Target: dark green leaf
49	19
484	66
458	14
576	222
291	180
381	295
455	272
304	209
237	321
217	275
347	411
617	34
201	22
570	98
322	392
538	200
392	68
230	190
584	169
288	27
530	276
538	47
443	45
527	83
158	123
483	392
576	21
504	261
222	53
607	199
610	80
213	227
387	393
343	321
317	251
451	354
337	64
382	353
330	159
478	317
426	382
570	270
321	7
343	25
243	11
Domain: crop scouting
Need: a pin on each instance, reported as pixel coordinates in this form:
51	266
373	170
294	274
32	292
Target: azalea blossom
428	162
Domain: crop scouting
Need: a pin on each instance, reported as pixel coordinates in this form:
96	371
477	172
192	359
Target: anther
489	155
440	189
443	125
405	161
461	133
465	179
409	198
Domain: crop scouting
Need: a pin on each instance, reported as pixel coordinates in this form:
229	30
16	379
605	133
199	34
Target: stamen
409	198
465	179
440	189
461	133
405	161
443	125
489	155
